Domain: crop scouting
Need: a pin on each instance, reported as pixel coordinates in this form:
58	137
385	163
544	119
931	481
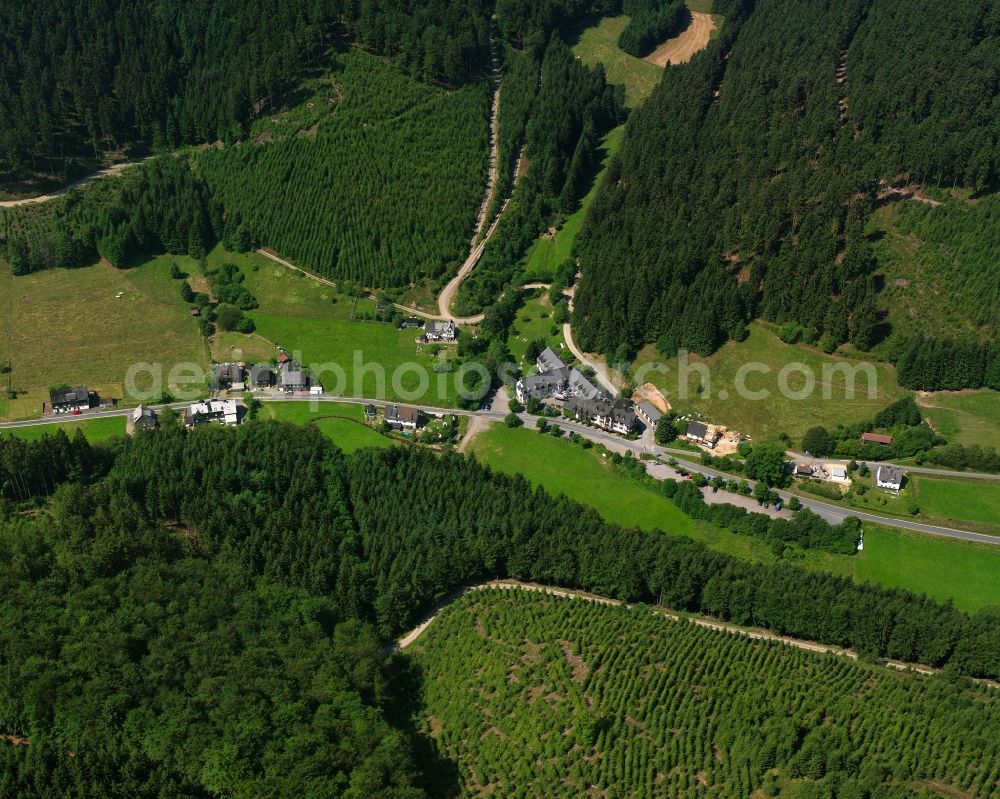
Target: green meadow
964	417
341	422
535	321
946	498
547	253
944	569
760	359
96	430
597	43
70	326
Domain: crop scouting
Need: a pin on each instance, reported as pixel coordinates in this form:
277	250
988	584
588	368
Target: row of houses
887	475
288	376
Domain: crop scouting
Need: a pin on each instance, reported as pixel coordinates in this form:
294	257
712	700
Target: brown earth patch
680	49
647	392
580	668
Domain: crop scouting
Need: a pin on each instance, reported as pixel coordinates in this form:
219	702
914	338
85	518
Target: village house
875	438
701	433
803	470
615	416
293	378
71	400
648	413
229	376
410	322
263	375
890	477
402	417
143	418
440	331
226	412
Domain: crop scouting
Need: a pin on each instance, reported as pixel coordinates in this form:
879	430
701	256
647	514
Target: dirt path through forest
110	171
680	49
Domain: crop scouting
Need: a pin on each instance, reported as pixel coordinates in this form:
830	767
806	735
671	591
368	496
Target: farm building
263	375
68	400
875	438
228	375
293	377
648	413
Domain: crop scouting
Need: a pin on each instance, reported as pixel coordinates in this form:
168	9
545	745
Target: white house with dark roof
402	417
440	331
68	400
226	412
890	477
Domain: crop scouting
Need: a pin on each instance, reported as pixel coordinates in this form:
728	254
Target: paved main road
832	513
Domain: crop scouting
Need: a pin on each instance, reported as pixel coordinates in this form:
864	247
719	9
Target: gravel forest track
110	171
754	633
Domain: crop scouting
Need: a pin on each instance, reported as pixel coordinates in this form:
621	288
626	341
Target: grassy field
341	422
317	323
720	401
96	430
974	500
69	326
963	572
563	468
533	321
597	43
964	417
400	369
547	253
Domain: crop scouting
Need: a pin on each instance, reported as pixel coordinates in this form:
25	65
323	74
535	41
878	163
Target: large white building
225	412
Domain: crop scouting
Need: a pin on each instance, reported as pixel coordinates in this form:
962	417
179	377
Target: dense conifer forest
745	181
202	613
536	695
82	79
161	207
384	191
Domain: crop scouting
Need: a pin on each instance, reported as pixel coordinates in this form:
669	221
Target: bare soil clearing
680	49
647	392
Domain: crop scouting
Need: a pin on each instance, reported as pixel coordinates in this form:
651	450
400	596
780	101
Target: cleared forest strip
680	49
